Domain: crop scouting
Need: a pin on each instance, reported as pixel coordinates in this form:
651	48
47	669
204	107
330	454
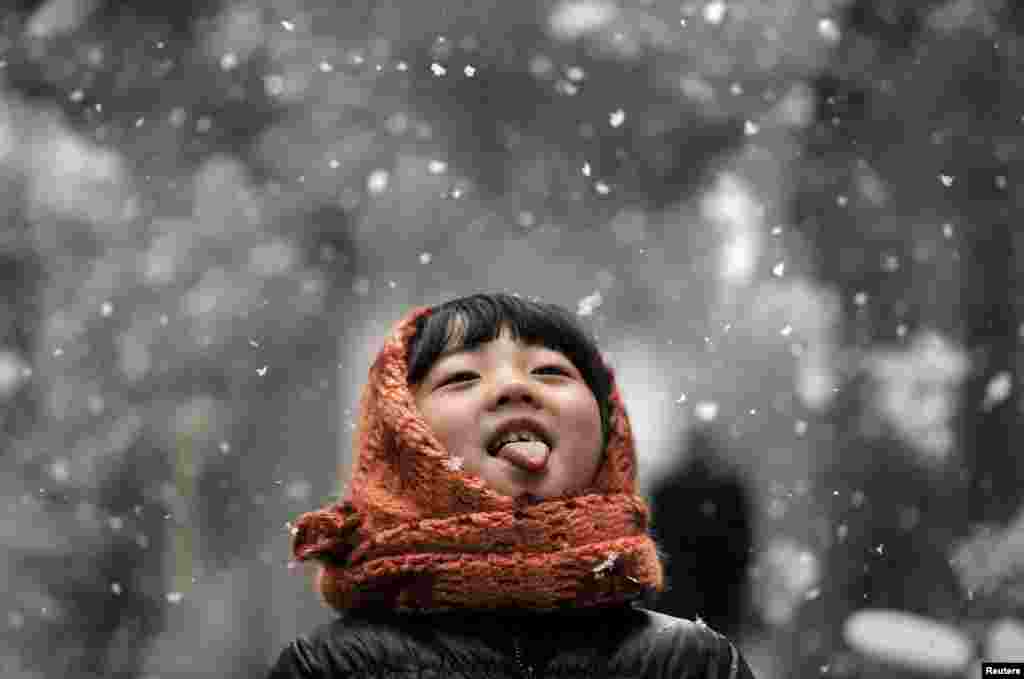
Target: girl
491	526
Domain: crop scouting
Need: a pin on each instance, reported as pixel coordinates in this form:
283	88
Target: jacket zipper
525	670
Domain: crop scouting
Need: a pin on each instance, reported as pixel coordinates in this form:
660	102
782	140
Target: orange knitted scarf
414	532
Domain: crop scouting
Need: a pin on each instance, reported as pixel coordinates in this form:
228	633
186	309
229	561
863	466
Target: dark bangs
468	322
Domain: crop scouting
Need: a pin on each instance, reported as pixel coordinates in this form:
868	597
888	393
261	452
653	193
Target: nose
511	389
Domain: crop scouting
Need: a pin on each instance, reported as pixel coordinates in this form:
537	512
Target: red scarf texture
416	533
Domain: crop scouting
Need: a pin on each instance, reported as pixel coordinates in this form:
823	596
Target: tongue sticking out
531	455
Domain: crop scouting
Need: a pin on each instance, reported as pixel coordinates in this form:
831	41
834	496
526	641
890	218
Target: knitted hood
415	532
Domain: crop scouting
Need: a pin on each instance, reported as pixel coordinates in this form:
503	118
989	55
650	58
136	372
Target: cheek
449	424
587	418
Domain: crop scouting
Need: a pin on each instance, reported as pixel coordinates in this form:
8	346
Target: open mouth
523	443
523	435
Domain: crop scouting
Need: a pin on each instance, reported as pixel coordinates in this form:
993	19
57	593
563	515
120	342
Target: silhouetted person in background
702	523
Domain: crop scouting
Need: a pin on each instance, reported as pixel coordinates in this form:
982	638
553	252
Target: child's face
469	397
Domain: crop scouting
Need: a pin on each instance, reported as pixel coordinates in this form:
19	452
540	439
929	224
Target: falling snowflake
377	182
437	69
828	29
779	269
706	411
714	12
454	463
526	219
586	169
288	25
603	568
587	305
616	117
470	71
947	180
60	472
175	597
751	128
567	88
425	257
997	390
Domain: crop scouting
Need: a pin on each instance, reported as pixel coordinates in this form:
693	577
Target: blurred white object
706	411
57	17
571	20
829	30
69	175
991	557
918	391
732	207
812	314
377	182
13	372
714	12
908	640
1005	641
786	574
648	389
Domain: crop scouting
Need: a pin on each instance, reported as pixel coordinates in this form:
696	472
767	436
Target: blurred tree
135	77
906	198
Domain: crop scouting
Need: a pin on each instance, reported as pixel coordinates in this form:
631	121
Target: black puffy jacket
617	642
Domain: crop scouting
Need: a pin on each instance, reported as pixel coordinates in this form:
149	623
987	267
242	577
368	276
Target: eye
461	376
552	370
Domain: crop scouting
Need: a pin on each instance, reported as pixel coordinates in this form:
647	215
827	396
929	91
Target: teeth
514	436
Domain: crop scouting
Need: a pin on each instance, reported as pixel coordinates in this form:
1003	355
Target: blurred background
793	226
